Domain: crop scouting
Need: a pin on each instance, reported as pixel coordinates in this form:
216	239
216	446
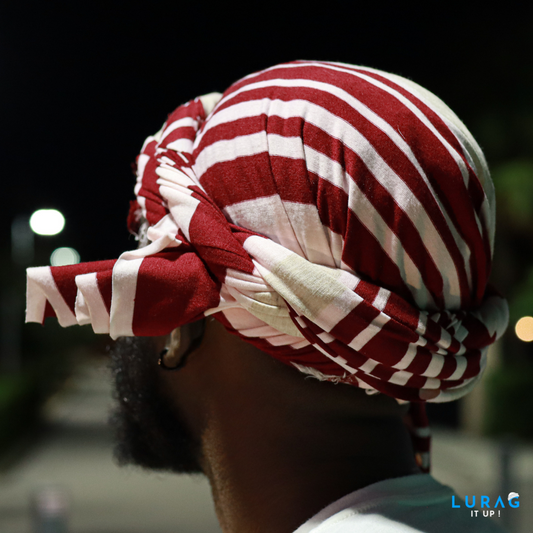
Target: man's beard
149	432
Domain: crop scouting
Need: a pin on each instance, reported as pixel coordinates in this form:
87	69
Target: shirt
410	504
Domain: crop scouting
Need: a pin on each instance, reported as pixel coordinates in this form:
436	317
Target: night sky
83	84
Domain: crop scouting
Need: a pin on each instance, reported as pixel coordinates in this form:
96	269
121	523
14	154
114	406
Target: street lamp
64	256
47	222
41	222
524	329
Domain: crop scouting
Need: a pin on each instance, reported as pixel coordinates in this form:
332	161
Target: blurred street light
42	222
64	256
22	241
47	222
524	329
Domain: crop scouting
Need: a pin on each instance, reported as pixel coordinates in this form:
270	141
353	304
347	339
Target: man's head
337	218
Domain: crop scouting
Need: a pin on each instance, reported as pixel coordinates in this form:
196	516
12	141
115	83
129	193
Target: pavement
74	453
74	456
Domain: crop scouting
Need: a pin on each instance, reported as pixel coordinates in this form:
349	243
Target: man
317	220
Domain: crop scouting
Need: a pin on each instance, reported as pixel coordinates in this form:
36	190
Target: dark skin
276	446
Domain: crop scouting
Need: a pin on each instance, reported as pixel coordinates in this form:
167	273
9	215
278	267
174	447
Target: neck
271	473
278	447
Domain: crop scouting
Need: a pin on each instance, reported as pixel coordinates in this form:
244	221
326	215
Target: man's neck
266	476
276	446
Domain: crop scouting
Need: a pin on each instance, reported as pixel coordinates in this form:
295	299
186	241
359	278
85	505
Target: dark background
84	83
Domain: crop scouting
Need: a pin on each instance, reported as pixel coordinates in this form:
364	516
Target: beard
149	431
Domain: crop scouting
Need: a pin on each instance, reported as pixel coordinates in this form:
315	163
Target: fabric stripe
90	306
358	144
124	288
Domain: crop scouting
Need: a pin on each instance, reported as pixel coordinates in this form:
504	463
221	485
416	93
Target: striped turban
338	217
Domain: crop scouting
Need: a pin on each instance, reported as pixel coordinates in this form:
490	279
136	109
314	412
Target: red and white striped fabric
338	217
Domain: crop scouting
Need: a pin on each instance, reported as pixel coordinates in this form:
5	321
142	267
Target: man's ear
171	352
183	342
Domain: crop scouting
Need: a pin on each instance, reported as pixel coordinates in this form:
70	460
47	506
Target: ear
171	353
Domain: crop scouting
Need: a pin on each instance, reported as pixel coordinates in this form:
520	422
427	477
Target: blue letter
473	501
501	502
513	502
485	502
453	503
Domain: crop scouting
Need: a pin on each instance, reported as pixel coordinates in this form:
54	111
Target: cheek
186	397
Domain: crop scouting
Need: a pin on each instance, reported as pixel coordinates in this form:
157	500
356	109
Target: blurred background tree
509	386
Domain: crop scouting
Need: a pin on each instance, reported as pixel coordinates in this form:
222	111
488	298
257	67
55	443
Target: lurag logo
511	496
487	509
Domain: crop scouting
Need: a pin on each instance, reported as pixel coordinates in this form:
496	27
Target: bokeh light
64	256
47	222
524	329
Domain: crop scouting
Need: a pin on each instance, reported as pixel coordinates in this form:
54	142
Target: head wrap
338	217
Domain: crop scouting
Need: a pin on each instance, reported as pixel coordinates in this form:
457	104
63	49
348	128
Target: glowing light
47	222
64	256
524	329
